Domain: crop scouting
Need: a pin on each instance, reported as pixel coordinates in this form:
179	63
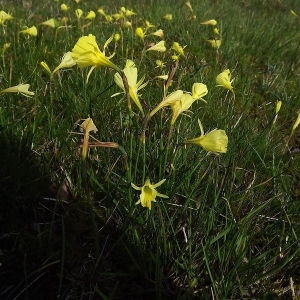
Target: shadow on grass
53	249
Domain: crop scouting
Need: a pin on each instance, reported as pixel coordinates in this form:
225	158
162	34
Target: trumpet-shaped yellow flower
178	49
78	13
159	33
215	141
86	53
51	23
20	88
87	126
30	31
134	86
167	101
297	122
64	7
224	80
66	62
199	90
215	43
148	24
149	193
278	107
4	17
216	31
168	17
91	15
139	32
189	5
159	47
211	22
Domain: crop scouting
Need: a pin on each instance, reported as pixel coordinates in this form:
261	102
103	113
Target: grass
230	228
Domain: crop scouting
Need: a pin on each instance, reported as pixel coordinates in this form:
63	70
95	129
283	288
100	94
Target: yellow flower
211	22
199	90
77	1
6	46
149	25
140	33
91	15
64	7
297	122
215	43
78	13
46	67
149	193
216	31
159	33
117	37
159	63
167	101
51	23
4	17
21	88
66	62
168	17
86	53
178	49
127	24
134	86
215	141
159	47
189	5
30	31
87	126
278	107
224	80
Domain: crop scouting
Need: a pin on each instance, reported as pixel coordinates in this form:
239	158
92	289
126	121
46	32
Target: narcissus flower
149	25
159	33
168	17
4	17
30	31
51	23
211	22
159	47
91	15
178	49
66	62
297	122
278	107
189	5
215	43
149	193
139	32
224	80
21	88
134	86
86	53
78	13
215	141
87	126
64	7
46	67
117	37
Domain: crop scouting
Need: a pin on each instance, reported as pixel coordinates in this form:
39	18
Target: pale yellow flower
149	193
64	7
215	141
224	80
20	88
189	5
87	126
159	33
297	122
159	47
51	23
78	13
149	25
4	17
91	15
216	31
278	107
211	22
159	63
134	86
178	49
139	32
46	67
86	53
127	24
117	37
168	17
66	62
167	101
215	43
30	31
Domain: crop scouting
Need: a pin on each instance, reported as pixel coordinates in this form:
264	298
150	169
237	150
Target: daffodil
139	32
159	47
178	49
64	7
297	122
66	62
189	5
159	33
86	53
46	67
224	80
78	13
159	63
30	31
87	126
167	101
20	88
91	15
53	23
134	86
117	37
278	106
149	25
211	22
215	43
215	141
168	17
4	17
149	193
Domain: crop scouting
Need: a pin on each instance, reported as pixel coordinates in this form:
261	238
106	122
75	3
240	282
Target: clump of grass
71	154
